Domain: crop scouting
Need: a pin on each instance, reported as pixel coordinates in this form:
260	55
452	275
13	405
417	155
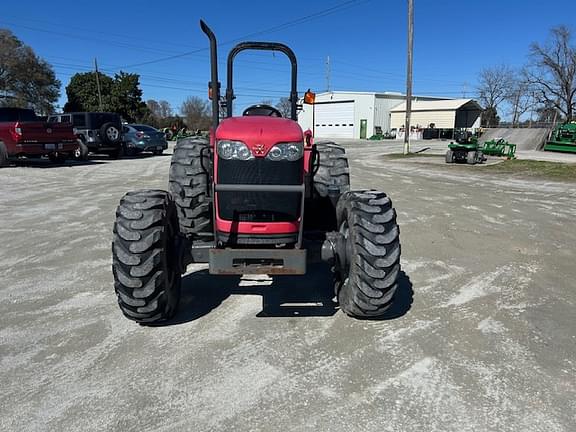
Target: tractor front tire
189	187
146	259
471	157
449	156
369	278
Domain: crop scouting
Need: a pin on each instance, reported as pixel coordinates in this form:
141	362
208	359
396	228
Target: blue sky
365	40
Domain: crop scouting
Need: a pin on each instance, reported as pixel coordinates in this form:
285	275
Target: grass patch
532	168
558	171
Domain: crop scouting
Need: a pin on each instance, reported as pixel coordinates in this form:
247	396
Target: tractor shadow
282	296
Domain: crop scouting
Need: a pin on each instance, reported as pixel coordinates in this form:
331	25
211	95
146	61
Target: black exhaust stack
213	84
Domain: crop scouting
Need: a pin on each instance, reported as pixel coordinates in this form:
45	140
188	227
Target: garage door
334	119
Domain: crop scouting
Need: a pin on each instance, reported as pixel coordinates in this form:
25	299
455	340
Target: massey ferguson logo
48	130
258	149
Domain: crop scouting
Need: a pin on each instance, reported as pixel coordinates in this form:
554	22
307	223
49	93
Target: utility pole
328	73
409	76
98	85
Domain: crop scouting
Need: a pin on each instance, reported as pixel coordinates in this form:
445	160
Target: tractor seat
262	110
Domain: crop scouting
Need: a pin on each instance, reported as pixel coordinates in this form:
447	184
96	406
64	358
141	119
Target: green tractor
464	148
563	139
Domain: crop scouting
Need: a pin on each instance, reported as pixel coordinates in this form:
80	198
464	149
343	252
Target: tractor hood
259	133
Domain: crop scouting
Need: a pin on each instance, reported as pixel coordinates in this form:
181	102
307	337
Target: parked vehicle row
98	132
73	136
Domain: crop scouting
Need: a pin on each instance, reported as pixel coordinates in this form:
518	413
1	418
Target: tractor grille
259	206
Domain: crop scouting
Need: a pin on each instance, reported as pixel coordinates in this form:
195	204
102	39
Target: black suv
100	132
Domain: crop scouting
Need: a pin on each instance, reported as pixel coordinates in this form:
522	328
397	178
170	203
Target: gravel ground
482	337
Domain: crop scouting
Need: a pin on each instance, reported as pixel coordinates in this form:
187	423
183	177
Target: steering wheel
262	110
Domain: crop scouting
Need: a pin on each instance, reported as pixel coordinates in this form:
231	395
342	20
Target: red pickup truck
22	133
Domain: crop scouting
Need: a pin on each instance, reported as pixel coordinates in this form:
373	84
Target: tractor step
257	261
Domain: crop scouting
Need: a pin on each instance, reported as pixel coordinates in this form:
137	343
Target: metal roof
377	94
440	105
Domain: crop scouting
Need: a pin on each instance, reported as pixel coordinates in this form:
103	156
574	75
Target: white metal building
445	114
341	114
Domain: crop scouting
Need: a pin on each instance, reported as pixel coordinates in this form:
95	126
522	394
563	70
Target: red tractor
258	197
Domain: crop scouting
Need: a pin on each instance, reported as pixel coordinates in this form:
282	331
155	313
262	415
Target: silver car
140	138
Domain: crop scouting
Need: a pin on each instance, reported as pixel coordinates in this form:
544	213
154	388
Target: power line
339	7
89	30
79	37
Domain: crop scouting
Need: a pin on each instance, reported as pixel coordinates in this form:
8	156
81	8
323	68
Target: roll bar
262	46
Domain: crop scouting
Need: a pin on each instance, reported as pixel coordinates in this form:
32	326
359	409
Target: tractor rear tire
333	168
369	278
145	249
449	156
471	157
189	187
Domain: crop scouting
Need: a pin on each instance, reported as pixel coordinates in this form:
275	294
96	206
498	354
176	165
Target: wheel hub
334	250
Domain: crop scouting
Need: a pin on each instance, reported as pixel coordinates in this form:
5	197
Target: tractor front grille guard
301	189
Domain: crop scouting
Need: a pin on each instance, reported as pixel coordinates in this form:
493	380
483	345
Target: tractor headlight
286	151
233	150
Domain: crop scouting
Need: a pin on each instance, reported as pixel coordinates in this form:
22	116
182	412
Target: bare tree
493	88
284	106
196	112
165	110
520	97
154	108
552	72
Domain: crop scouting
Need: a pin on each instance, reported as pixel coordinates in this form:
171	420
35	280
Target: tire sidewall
170	259
345	215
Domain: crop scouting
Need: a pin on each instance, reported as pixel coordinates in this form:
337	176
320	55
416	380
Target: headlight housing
286	151
233	150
